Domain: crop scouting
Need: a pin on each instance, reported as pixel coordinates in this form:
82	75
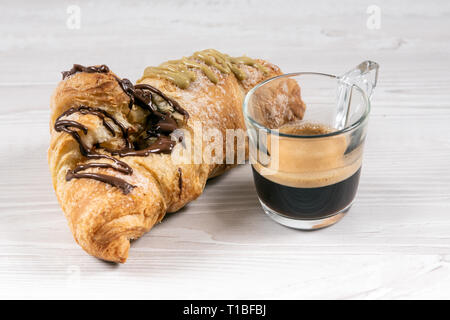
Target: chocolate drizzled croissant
111	143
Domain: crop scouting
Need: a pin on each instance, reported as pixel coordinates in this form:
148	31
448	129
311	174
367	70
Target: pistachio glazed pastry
111	141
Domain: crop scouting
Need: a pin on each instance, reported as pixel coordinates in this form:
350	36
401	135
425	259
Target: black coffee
306	203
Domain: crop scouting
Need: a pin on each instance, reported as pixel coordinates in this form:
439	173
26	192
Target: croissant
110	153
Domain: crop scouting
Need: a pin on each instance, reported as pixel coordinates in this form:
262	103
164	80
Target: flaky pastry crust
101	217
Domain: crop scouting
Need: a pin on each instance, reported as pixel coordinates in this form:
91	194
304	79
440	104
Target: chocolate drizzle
180	181
171	102
103	115
141	95
79	68
138	97
116	182
163	144
161	126
68	126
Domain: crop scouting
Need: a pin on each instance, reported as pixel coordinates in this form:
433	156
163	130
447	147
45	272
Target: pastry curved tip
116	251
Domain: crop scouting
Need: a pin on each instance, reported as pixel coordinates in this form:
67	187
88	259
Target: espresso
308	178
306	203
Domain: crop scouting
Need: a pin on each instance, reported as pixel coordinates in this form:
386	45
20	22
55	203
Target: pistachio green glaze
180	71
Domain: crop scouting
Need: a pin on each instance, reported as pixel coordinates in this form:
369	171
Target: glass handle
365	76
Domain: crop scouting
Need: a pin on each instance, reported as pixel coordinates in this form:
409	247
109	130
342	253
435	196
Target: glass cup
306	172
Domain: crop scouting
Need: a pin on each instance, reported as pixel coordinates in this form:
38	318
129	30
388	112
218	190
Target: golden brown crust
101	217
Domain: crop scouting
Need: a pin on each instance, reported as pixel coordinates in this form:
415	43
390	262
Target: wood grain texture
395	242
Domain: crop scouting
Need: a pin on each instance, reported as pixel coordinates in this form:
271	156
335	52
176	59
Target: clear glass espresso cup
306	172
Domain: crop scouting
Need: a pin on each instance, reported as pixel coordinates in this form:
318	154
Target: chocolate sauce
141	99
163	144
120	166
165	124
82	167
79	68
180	180
141	95
116	182
171	102
103	115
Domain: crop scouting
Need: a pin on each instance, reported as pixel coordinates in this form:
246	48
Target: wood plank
394	243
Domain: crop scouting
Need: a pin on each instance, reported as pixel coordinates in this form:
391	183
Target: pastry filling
161	115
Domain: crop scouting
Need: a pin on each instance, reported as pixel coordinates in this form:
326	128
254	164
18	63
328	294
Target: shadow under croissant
169	216
228	213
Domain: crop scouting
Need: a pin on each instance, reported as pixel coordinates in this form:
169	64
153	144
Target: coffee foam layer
309	179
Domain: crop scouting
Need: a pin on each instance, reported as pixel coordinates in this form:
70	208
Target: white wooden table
395	242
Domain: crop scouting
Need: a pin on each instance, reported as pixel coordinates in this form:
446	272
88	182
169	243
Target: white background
395	242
